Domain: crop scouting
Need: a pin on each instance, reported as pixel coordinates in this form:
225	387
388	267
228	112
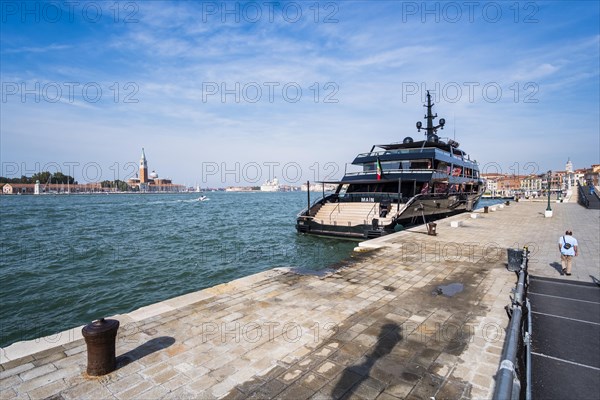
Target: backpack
566	246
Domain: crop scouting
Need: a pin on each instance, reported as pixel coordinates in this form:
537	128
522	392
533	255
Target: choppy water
67	260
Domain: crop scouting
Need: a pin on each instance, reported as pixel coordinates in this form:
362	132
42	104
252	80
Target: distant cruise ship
270	186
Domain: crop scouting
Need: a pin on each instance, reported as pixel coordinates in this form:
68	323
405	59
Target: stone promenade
377	326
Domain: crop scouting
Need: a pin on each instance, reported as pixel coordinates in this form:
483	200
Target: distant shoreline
147	193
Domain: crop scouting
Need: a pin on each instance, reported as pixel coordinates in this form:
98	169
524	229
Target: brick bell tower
143	168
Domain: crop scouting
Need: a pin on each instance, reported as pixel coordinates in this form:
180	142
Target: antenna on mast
454	118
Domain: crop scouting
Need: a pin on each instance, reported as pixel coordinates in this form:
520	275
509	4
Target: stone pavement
376	326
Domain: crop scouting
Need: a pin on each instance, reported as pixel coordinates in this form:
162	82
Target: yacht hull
417	210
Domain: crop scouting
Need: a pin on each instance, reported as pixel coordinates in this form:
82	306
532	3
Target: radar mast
431	129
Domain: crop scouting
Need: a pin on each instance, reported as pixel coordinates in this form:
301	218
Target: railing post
528	344
399	194
308	198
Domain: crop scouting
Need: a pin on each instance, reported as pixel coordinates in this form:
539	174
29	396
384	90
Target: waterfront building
491	183
270	186
145	182
318	187
18	188
509	185
51	188
531	185
569	178
591	175
579	174
241	189
552	183
143	168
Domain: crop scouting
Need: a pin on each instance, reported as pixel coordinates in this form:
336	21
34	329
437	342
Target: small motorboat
203	198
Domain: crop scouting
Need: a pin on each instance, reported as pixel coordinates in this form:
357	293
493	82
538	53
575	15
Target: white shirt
568	239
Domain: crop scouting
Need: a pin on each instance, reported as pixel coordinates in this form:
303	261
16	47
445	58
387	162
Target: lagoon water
68	260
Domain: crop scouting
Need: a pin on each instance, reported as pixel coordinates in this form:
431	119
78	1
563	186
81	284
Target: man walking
567	245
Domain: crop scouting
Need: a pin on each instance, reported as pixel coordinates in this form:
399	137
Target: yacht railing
337	207
395	171
372	210
413	171
322	200
417	150
401	151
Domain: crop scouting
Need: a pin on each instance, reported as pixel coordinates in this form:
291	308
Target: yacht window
420	164
441	166
389	165
457	170
440	187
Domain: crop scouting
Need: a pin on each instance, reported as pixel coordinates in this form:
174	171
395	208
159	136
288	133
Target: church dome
153	175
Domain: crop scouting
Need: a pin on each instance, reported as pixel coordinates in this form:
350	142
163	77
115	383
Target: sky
235	93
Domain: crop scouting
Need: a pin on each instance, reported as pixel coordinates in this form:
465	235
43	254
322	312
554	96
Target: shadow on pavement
354	375
557	266
144	350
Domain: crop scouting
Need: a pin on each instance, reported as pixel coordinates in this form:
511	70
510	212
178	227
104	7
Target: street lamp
548	212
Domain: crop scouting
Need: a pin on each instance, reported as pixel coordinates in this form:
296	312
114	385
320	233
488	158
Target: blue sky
232	93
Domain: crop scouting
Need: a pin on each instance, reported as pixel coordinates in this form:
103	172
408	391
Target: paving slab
378	326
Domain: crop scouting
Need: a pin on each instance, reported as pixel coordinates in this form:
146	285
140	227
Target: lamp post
561	187
548	212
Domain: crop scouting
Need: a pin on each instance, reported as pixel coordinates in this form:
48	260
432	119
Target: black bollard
485	209
100	338
508	202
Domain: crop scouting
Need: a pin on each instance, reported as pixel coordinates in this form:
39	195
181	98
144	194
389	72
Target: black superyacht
398	184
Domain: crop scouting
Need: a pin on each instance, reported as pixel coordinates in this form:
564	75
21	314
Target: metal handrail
416	151
372	209
337	206
527	339
582	196
508	384
413	171
396	171
322	200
